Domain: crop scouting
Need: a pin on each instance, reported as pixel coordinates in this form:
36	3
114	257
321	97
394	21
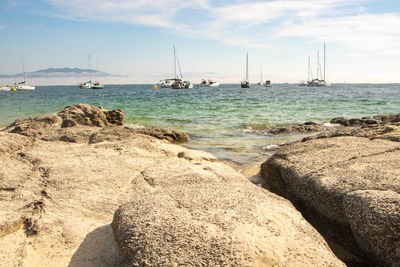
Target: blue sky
135	38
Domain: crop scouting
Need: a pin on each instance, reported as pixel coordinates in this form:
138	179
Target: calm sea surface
219	120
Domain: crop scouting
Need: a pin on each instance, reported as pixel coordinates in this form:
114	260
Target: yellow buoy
14	89
155	87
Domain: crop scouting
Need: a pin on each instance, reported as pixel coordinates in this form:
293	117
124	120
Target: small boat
87	84
245	83
261	78
22	84
268	83
167	83
179	84
5	88
208	83
97	85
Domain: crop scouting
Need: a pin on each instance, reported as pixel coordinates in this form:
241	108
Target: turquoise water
220	119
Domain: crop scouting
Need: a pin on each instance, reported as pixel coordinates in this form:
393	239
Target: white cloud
248	23
367	33
2	27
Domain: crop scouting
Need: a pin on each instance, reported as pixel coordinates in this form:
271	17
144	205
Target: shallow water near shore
220	120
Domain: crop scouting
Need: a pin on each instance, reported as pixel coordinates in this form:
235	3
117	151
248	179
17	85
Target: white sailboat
22	84
245	83
179	82
97	84
88	84
261	78
176	81
320	80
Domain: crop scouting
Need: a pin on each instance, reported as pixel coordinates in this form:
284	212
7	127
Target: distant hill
61	72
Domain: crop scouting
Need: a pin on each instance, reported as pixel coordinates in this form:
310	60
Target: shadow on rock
97	249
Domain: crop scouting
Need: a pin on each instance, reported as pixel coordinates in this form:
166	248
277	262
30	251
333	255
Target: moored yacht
245	83
208	83
177	82
22	84
5	88
167	83
97	85
320	81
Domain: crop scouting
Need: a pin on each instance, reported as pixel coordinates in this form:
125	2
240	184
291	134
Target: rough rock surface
374	217
57	200
217	224
307	127
317	175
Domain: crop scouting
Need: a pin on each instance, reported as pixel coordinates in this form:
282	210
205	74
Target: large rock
78	123
217	224
57	200
317	175
74	115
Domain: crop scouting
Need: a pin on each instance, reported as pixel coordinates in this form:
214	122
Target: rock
374	217
78	123
306	127
318	174
165	133
84	114
390	132
75	115
378	120
217	224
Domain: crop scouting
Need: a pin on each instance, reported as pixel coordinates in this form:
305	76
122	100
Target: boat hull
245	84
5	88
25	87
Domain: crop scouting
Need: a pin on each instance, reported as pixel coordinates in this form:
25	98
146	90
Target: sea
221	120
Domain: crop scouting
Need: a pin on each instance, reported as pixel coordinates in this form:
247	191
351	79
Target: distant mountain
61	72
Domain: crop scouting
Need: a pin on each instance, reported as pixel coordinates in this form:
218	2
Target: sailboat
320	81
246	83
96	84
22	84
179	82
261	78
87	84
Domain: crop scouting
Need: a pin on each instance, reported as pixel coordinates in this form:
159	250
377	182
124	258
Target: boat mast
309	69
23	67
247	66
175	63
179	66
261	77
319	74
90	74
324	59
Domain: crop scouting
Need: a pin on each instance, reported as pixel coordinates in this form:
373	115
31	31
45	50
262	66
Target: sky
136	38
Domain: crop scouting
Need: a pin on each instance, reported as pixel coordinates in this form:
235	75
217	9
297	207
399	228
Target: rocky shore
347	184
77	188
